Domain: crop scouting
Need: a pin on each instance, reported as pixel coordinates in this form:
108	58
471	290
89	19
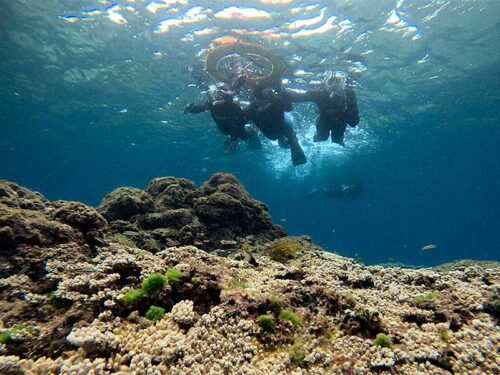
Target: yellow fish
429	247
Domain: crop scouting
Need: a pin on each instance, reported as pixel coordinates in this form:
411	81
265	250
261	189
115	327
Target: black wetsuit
269	117
335	112
228	116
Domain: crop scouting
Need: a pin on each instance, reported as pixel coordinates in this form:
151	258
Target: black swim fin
298	156
254	142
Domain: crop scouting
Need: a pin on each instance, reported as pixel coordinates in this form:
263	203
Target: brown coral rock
123	203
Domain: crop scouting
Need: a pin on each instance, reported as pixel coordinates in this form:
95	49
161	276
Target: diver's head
220	94
335	81
265	95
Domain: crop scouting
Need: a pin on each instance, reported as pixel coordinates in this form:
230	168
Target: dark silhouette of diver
267	112
337	107
229	118
346	190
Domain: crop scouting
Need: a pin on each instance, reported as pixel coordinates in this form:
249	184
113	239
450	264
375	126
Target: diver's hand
188	109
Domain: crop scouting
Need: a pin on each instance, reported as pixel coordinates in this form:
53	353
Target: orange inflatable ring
219	52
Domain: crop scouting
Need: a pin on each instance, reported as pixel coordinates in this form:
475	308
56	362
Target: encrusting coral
75	301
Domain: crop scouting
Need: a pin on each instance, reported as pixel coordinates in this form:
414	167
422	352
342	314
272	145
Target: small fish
250	259
100	241
130	233
283	220
428	247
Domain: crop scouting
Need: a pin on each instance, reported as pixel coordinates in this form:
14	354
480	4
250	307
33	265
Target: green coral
5	337
133	297
331	331
235	283
123	240
285	249
173	275
276	305
155	313
444	336
266	322
297	352
425	299
153	283
383	340
291	317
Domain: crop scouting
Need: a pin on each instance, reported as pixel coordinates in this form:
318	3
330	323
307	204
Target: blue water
430	176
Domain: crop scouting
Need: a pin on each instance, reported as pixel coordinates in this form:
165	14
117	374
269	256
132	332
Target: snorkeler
229	118
267	112
346	190
337	106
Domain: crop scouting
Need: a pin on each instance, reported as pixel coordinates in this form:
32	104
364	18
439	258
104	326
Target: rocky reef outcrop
80	294
172	212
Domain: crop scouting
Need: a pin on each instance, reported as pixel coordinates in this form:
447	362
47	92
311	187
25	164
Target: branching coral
183	312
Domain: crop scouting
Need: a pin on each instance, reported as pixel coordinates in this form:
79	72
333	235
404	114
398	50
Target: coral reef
74	300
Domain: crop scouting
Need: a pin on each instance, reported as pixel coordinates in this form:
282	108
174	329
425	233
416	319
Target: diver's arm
286	100
297	96
197	108
352	114
249	111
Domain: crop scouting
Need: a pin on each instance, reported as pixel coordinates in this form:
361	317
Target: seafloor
233	294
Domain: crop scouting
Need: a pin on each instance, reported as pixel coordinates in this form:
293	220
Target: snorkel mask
220	94
335	82
268	94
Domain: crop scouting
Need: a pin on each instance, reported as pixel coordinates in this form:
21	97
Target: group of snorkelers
268	112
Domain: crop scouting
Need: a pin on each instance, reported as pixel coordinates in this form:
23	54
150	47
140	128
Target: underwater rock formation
80	297
172	212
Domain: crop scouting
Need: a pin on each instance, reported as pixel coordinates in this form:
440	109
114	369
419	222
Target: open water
92	94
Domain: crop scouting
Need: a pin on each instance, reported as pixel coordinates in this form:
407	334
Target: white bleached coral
183	313
327	291
93	340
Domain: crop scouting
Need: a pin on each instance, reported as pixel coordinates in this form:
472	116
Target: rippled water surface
93	92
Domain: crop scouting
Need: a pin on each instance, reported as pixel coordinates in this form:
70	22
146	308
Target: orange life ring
219	52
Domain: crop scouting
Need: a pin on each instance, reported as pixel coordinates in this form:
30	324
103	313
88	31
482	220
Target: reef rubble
161	281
